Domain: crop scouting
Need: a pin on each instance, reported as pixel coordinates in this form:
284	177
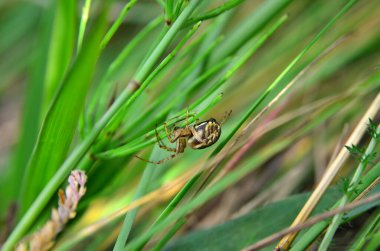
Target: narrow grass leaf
216	11
283	75
56	135
250	27
61	47
32	108
83	23
119	20
241	60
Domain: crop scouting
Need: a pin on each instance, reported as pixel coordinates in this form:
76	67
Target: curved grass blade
83	23
249	28
240	61
98	103
49	154
61	48
32	106
117	23
216	11
142	189
59	125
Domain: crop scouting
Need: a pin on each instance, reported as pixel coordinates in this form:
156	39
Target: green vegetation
289	81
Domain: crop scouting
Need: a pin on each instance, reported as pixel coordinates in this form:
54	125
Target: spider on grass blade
197	136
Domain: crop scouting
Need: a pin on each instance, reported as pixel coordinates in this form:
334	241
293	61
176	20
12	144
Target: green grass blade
239	62
48	156
61	48
284	74
171	206
32	108
156	54
366	233
119	20
249	28
59	125
161	243
216	11
83	23
142	189
169	11
116	122
98	104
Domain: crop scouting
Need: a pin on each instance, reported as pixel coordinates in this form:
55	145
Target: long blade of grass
169	11
60	125
83	23
216	11
240	61
281	77
250	27
32	109
116	121
142	189
117	23
168	210
61	48
97	104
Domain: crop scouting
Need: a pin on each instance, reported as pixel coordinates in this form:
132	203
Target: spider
197	136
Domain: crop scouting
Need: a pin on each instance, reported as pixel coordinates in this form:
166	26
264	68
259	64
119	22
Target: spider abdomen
205	134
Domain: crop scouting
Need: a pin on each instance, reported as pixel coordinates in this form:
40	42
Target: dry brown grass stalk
67	205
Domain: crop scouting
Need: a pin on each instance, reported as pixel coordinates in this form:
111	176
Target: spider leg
181	119
226	116
197	135
161	144
168	134
160	161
